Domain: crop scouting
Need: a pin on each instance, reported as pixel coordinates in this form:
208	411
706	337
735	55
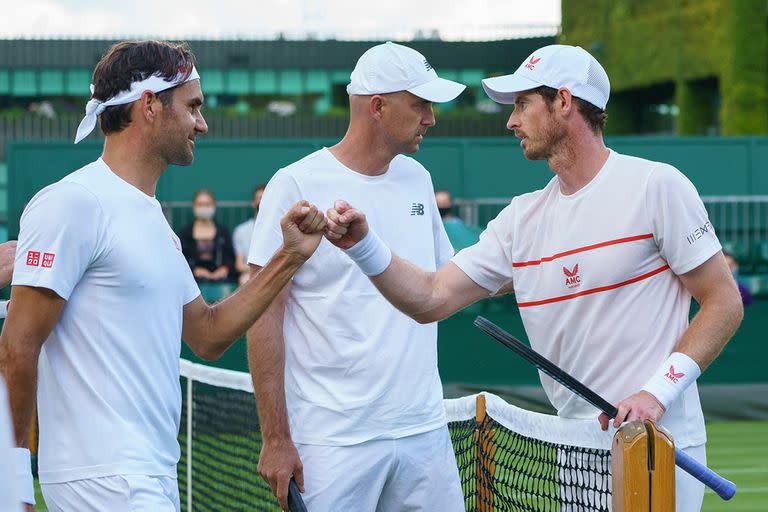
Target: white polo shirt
109	399
355	367
596	279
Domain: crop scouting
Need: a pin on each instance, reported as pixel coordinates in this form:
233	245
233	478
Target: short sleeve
489	262
681	226
281	193
241	238
58	239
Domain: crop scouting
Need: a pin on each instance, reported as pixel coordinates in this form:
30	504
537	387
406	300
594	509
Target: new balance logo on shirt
417	209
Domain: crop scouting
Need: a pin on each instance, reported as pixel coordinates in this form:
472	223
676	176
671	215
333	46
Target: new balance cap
391	67
556	66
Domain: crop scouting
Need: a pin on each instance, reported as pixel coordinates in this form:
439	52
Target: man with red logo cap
102	296
602	260
357	415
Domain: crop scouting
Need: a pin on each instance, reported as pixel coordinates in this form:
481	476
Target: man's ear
564	101
149	105
376	106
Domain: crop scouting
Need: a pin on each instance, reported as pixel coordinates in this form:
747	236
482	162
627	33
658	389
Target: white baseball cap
391	67
556	66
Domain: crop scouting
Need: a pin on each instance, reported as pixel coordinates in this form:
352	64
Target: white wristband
672	378
22	462
371	254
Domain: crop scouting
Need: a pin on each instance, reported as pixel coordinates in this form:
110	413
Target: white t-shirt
241	237
356	368
109	399
595	278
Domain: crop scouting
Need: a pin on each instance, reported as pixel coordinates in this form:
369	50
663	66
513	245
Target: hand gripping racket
295	503
723	487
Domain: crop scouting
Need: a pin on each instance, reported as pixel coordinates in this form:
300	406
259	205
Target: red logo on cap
532	63
48	259
33	258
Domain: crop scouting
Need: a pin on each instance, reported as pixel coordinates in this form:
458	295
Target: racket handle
722	486
295	503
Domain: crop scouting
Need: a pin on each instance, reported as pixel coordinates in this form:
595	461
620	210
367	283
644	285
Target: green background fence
471	168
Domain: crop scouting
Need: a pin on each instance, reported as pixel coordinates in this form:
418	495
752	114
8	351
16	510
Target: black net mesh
226	441
502	470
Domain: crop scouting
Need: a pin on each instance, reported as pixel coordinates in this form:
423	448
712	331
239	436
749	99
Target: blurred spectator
206	244
43	109
460	234
746	294
242	237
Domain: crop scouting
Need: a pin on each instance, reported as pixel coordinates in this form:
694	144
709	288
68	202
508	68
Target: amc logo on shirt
34	259
572	278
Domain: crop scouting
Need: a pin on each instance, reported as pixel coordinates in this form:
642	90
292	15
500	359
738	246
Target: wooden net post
629	469
643	468
662	468
485	450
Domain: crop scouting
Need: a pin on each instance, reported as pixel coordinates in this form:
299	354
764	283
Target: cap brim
438	90
502	89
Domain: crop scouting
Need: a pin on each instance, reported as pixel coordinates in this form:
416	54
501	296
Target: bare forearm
19	369
230	318
34	313
266	361
409	288
711	328
427	296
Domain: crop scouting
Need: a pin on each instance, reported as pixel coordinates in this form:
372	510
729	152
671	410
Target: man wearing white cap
360	396
102	296
603	260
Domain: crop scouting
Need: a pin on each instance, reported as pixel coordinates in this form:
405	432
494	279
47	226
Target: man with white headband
102	296
360	397
603	260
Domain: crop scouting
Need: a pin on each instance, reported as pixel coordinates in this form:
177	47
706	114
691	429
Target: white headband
152	83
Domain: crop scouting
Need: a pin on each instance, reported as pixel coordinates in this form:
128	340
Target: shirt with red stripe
595	275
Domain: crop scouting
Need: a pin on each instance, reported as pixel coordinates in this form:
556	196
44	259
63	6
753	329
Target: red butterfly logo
675	375
571	273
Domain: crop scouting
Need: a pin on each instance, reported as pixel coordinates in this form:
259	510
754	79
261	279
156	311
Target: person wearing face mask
460	234
206	244
241	237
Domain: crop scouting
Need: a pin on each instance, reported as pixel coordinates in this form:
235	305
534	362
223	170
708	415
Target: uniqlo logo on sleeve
48	259
33	258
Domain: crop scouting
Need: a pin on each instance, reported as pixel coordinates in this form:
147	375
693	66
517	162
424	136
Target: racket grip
722	486
295	503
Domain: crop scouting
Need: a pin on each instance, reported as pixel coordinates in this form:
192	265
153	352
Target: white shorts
414	473
117	493
689	492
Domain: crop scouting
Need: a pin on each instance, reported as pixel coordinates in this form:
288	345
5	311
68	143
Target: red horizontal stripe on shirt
593	290
583	249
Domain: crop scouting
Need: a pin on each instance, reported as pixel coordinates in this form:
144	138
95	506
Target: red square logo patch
48	259
33	258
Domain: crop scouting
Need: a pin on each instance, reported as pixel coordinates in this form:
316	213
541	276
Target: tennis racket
295	503
722	486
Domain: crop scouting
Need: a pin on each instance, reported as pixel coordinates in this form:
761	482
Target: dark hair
132	61
594	116
202	191
260	186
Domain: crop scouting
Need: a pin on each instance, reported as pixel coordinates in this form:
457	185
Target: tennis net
509	459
